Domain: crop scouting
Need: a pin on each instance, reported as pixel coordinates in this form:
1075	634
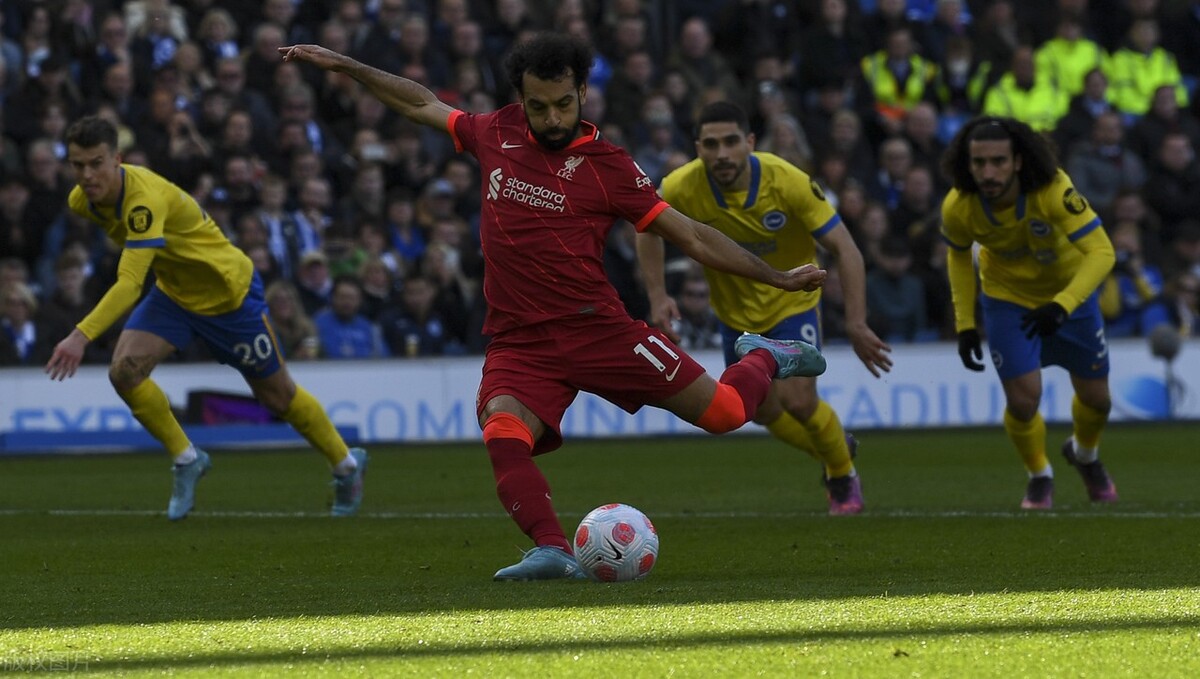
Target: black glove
1044	320
970	350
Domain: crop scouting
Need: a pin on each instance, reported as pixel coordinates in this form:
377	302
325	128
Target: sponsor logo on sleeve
816	189
1074	202
644	180
140	219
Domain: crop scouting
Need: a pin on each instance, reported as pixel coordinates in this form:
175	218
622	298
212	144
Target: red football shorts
544	366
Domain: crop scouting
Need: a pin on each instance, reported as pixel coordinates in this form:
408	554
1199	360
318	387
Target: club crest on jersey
774	220
1039	228
816	189
568	170
140	219
1073	202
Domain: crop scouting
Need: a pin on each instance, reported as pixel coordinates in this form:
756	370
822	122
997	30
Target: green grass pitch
943	576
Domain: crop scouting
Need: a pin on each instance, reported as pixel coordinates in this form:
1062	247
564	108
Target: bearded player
551	191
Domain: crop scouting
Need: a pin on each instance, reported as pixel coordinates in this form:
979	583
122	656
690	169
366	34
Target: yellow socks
1088	425
306	416
826	431
789	430
821	436
1030	441
152	409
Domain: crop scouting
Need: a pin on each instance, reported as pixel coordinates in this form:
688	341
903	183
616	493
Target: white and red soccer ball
616	543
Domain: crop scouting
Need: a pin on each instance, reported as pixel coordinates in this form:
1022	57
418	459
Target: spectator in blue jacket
344	332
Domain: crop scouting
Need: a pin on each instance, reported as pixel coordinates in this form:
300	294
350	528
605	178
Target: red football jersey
545	217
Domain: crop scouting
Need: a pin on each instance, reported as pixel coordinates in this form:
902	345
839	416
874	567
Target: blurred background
352	215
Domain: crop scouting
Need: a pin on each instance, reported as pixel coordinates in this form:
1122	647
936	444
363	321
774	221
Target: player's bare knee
276	403
504	404
1023	404
1022	410
275	400
801	409
127	373
1100	405
798	396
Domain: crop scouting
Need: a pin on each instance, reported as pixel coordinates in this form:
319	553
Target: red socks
519	483
742	389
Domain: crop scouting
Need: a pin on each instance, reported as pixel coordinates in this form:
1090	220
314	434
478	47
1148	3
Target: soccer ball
616	543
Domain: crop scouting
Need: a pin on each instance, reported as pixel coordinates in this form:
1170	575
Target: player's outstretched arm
871	350
67	356
663	309
714	249
408	98
120	298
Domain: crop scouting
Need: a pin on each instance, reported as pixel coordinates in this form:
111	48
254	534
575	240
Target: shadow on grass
83	570
70	573
658	643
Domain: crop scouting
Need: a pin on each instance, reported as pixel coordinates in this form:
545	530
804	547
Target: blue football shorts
242	338
803	326
1079	345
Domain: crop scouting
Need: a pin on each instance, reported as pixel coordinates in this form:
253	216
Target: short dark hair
549	56
92	131
347	279
722	112
1039	161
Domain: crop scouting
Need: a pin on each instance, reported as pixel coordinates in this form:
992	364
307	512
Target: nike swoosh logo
616	550
506	145
671	375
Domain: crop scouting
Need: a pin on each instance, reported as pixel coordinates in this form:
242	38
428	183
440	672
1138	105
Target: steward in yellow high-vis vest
1141	67
1065	59
1022	95
898	77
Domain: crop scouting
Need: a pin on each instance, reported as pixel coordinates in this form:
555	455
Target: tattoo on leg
137	367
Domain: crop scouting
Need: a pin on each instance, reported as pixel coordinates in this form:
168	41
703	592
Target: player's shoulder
957	201
1059	195
775	165
597	145
685	179
1057	185
508	117
510	114
686	174
77	200
138	177
593	143
789	182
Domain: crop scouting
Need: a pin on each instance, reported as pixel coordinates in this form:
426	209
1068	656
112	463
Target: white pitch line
392	516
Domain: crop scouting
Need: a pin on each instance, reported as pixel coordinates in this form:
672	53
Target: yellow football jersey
1031	252
194	263
779	219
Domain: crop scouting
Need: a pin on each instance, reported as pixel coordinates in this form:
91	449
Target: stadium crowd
364	226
